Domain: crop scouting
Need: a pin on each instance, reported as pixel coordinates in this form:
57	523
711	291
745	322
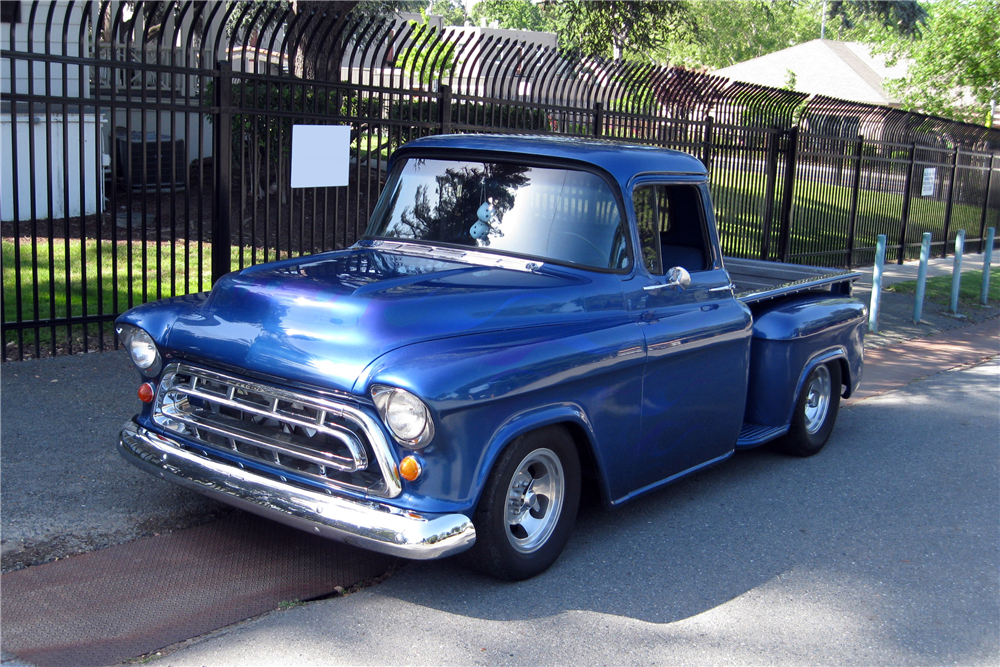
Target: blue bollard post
876	283
925	253
987	258
956	276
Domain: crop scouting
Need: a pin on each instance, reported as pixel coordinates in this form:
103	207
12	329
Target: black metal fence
146	148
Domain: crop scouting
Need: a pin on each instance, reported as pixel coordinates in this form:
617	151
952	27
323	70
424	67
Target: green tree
451	11
732	31
954	69
618	28
512	15
904	17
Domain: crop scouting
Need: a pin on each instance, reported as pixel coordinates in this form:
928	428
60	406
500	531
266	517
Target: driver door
697	335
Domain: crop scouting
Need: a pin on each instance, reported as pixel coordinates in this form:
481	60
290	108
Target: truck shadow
862	505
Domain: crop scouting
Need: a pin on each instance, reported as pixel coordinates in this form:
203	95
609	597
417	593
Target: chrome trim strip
360	460
366	524
455	255
265	442
376	438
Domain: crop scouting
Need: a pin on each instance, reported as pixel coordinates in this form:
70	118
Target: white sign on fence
320	155
930	178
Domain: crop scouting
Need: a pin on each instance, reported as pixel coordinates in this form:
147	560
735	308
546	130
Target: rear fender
792	337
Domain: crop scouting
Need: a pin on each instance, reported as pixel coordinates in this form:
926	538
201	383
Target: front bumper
366	524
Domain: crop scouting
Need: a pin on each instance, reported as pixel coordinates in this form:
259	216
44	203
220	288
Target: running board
752	435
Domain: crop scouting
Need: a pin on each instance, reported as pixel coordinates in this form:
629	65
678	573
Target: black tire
815	412
517	541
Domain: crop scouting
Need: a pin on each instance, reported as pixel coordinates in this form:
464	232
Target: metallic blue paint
655	380
788	340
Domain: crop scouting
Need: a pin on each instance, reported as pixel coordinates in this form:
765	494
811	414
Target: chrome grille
325	442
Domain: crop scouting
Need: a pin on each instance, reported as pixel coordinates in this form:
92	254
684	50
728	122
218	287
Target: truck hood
322	319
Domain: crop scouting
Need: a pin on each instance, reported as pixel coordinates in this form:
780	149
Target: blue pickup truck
522	314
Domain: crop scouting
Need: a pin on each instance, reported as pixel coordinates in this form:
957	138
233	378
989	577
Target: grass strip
938	289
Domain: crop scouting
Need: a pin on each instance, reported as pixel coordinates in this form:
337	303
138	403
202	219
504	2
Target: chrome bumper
366	524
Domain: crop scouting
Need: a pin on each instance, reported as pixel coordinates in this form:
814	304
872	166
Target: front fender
484	390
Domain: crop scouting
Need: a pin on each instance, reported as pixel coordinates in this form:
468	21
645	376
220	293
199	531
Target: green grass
938	290
77	278
821	214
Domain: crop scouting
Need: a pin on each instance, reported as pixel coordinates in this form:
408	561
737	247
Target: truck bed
757	280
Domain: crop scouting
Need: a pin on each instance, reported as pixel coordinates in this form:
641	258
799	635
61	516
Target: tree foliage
731	31
905	17
512	15
618	28
451	11
954	69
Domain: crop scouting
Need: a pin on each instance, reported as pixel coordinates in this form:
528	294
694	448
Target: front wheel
528	507
815	412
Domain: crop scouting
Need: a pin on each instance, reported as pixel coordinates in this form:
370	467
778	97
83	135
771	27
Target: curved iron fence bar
368	36
436	42
269	53
336	50
461	60
540	65
549	64
508	59
452	41
492	64
292	37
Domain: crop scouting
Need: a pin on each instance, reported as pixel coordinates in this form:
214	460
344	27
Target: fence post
770	182
956	274
598	119
986	202
905	217
987	260
707	146
852	219
223	153
876	283
444	110
925	253
787	195
951	199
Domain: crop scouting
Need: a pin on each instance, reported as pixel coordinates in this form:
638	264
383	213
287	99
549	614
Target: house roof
844	70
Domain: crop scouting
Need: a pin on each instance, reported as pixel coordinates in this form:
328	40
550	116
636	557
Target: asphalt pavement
878	546
883	549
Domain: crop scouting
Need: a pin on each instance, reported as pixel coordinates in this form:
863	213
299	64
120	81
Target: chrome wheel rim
534	500
817	399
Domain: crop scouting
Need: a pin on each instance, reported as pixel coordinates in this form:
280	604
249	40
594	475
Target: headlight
408	419
141	349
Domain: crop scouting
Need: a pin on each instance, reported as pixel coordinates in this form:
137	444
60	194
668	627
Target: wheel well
588	464
845	377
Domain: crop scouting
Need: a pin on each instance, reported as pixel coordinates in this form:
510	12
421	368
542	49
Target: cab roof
622	161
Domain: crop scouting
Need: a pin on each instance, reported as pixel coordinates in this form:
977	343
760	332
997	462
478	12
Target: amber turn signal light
410	469
146	392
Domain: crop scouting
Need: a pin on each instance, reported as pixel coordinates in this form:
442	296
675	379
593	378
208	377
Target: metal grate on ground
107	606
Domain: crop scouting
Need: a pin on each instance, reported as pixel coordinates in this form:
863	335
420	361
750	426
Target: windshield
553	213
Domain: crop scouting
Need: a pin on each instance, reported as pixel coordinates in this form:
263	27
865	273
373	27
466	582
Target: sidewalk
895	320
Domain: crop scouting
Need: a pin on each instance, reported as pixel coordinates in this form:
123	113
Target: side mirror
678	277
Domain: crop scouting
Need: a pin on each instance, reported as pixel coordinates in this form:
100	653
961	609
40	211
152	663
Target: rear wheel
528	507
815	412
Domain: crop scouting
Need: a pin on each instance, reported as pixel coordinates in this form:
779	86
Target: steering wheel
600	256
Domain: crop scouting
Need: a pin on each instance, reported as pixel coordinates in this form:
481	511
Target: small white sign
321	155
930	178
